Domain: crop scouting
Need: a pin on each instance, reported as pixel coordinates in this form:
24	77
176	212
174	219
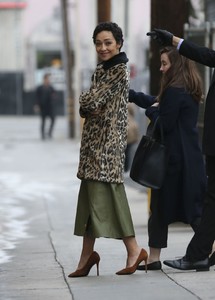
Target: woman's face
165	63
106	45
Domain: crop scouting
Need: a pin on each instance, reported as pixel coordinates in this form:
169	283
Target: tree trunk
170	15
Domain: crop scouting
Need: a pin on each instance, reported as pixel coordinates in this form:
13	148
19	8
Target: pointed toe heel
94	259
143	256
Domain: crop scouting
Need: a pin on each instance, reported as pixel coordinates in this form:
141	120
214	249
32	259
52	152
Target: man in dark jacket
200	247
45	97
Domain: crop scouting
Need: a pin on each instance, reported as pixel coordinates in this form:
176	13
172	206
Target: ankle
154	254
152	259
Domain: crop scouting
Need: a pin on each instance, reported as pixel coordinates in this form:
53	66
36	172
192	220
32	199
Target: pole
170	15
68	70
77	68
104	10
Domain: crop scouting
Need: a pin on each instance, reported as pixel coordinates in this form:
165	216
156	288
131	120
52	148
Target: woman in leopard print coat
104	134
102	209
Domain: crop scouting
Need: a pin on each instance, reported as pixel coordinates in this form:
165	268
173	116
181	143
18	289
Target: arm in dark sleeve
202	55
152	113
141	99
169	108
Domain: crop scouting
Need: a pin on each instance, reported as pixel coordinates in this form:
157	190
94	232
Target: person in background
45	105
102	208
132	139
180	199
199	253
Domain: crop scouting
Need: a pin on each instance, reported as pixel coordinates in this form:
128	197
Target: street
38	192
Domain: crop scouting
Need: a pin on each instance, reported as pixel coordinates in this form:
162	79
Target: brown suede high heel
92	260
130	270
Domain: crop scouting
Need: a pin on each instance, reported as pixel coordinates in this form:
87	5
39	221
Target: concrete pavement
38	192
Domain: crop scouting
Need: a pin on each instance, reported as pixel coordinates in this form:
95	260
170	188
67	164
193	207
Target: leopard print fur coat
104	135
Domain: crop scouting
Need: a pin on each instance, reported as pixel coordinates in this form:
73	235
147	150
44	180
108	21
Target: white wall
83	19
12	46
137	23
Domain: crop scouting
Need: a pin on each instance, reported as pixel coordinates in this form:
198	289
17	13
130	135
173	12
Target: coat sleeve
169	108
141	99
103	90
202	55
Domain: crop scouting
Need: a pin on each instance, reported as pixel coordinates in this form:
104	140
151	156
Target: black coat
206	57
181	197
45	99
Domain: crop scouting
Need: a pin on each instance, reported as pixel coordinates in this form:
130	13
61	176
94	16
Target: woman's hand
155	104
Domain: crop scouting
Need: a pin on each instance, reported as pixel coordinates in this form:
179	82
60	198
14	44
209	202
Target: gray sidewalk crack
53	247
60	265
183	287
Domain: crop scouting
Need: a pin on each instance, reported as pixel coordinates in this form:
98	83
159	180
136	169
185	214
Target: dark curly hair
109	26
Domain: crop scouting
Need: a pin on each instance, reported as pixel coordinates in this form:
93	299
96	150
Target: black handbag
150	159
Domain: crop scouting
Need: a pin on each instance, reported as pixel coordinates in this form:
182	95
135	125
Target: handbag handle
151	129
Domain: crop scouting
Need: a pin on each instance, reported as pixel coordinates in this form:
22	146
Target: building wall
210	10
12	45
12	57
18	54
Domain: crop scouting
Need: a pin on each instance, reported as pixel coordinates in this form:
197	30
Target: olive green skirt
103	211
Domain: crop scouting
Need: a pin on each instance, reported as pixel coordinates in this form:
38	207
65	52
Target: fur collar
115	60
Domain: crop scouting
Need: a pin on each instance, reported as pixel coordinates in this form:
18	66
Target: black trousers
45	116
201	244
157	228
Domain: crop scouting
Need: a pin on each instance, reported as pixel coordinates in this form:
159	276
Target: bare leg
133	250
87	249
154	254
88	258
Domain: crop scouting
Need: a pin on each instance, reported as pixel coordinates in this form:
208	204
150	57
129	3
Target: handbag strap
151	129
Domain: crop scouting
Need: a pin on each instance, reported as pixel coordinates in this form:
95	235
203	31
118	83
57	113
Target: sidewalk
38	192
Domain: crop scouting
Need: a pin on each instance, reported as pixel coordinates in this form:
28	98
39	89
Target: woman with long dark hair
180	199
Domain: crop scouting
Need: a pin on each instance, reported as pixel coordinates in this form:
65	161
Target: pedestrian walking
199	254
180	199
45	105
102	209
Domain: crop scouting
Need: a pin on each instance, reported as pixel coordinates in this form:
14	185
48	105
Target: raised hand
163	37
